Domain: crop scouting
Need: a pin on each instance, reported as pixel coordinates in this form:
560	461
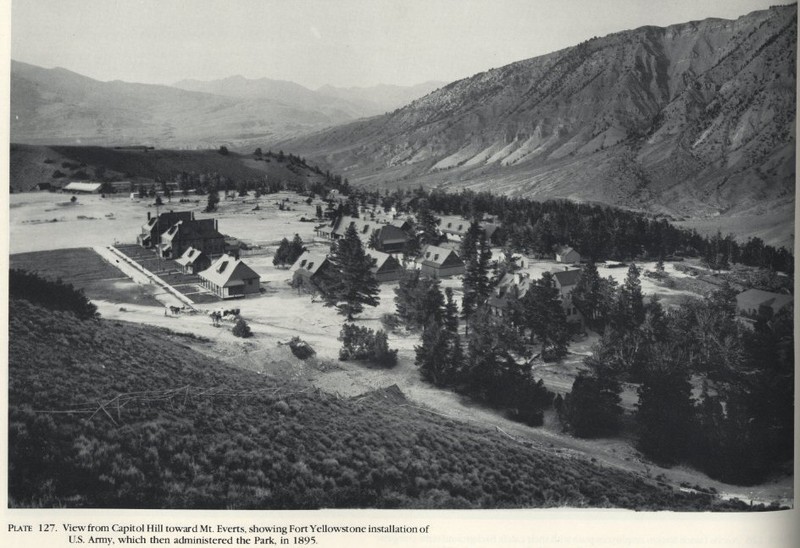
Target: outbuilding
438	262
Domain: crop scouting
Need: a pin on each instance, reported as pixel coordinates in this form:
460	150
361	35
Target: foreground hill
106	414
32	164
694	120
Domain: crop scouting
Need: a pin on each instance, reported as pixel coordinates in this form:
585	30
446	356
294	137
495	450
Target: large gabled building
200	234
230	278
439	262
150	235
308	271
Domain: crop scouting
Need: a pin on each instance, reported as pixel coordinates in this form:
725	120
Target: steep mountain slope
695	119
56	106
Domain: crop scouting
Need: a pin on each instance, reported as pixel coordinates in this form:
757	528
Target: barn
83	188
565	254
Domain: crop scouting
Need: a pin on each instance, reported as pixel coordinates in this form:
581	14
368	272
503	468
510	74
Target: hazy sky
317	42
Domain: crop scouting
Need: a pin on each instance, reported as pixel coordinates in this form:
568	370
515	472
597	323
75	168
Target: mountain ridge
694	120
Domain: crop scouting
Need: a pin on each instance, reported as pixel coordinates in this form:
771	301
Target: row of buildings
199	248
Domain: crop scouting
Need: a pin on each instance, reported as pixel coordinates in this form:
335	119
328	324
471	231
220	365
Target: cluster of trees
288	252
737	430
364	344
493	368
55	295
595	231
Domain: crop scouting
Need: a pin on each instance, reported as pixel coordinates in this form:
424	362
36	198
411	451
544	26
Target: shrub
364	344
300	348
53	295
241	329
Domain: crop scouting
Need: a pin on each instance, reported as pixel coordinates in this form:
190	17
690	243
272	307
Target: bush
300	348
53	295
241	329
364	344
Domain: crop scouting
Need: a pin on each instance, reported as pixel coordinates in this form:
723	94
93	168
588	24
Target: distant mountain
56	106
695	120
280	91
382	98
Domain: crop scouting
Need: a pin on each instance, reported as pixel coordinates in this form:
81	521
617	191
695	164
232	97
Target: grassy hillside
32	164
106	414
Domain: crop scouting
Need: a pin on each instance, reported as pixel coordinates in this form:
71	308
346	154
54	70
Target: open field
281	313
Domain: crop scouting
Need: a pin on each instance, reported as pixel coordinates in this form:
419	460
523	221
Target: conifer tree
350	283
476	282
543	313
427	223
296	248
587	296
282	253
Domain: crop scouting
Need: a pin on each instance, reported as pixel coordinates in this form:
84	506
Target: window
428	255
303	263
460	227
436	257
222	266
311	265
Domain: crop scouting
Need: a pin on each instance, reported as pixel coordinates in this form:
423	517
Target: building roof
567	277
203	229
189	256
227	272
364	227
752	299
381	260
454	223
310	261
167	219
564	249
436	256
83	187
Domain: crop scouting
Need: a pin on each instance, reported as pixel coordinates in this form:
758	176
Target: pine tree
592	408
296	248
543	313
469	244
427	223
664	411
433	355
476	282
629	309
587	296
281	254
350	283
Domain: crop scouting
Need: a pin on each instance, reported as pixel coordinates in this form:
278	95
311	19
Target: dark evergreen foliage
53	295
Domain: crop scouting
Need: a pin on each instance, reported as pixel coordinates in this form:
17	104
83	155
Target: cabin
44	186
755	302
389	238
201	234
308	270
150	235
387	268
565	254
512	287
193	261
438	262
565	281
230	278
78	187
453	225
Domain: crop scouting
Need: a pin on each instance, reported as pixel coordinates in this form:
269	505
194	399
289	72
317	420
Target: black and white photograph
398	255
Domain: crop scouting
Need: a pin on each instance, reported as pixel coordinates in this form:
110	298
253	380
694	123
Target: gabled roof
167	219
436	256
381	260
202	229
454	223
310	261
227	271
189	256
364	227
567	277
564	249
83	187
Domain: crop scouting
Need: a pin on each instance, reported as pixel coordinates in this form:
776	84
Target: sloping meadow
110	415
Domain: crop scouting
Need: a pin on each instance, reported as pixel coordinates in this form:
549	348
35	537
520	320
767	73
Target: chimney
216	224
148	215
566	268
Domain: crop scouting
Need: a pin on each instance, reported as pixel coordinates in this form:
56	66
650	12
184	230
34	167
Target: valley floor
281	313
